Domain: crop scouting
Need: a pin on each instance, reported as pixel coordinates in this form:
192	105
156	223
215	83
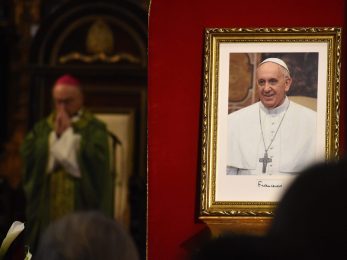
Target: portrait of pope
274	134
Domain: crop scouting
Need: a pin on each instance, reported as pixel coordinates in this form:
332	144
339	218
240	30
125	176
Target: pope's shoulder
244	112
254	108
305	110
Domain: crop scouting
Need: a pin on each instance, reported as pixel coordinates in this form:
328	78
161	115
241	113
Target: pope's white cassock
286	133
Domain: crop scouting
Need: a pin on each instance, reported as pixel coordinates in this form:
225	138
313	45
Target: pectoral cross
265	161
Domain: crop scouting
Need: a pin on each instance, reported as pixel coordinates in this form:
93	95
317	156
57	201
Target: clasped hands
62	122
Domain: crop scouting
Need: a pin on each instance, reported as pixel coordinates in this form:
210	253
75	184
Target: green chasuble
49	196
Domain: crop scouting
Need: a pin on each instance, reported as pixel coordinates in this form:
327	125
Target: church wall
174	94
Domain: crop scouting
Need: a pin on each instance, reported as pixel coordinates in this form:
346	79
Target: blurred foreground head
86	235
310	220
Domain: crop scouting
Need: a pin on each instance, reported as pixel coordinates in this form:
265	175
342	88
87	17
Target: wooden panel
104	44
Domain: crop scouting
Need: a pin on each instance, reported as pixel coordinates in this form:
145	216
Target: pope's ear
288	83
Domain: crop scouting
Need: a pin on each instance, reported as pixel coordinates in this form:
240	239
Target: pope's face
272	84
68	98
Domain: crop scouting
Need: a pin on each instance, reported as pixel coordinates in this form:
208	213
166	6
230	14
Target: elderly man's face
272	84
68	98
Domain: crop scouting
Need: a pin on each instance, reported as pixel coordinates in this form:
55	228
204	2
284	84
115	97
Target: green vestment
50	196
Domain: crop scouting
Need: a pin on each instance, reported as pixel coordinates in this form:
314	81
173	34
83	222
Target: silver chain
273	138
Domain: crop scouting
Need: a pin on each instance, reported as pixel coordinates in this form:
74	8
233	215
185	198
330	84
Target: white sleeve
51	161
232	170
64	151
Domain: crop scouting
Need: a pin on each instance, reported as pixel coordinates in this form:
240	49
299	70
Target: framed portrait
270	109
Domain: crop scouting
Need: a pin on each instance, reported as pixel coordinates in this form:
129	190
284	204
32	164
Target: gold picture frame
248	46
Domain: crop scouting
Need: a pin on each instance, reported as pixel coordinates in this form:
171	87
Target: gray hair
86	236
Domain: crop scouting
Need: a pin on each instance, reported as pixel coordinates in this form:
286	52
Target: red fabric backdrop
174	94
